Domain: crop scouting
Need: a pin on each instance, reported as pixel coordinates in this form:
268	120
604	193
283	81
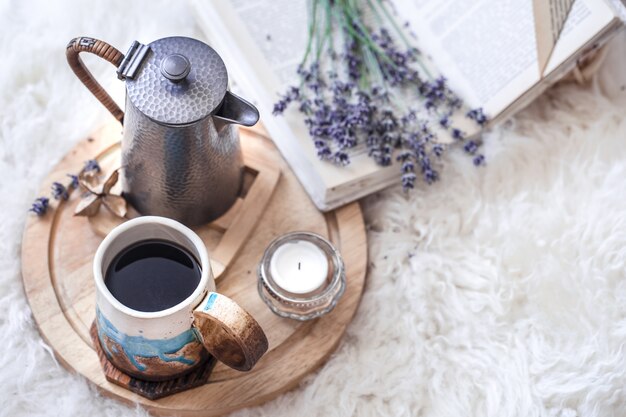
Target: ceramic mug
168	343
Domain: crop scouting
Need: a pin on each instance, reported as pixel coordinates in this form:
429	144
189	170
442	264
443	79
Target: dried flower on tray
98	193
40	206
59	192
74	181
92	166
358	98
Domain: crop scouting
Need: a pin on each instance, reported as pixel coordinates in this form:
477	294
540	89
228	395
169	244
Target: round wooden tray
57	252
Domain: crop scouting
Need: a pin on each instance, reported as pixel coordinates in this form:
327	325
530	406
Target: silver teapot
181	156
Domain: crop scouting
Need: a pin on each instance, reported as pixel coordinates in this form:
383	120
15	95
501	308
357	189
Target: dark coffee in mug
152	275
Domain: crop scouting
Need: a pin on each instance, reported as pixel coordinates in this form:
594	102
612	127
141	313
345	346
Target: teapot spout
236	110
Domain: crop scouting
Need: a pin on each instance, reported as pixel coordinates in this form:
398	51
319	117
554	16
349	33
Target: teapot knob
175	67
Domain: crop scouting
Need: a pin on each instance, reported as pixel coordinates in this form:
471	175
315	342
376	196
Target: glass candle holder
301	276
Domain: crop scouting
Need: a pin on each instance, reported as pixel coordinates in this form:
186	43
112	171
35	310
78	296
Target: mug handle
229	332
103	50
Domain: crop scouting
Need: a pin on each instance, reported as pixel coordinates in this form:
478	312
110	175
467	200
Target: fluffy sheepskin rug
499	291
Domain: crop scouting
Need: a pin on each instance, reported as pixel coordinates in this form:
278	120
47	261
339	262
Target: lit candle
299	267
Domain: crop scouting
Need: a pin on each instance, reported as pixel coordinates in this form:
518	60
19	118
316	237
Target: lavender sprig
359	102
59	192
40	206
74	181
478	116
92	166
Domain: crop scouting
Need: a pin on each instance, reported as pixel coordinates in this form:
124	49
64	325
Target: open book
486	49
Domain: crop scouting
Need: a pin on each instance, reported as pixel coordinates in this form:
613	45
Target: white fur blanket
499	291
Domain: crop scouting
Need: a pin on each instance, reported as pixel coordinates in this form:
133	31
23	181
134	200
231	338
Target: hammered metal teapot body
181	156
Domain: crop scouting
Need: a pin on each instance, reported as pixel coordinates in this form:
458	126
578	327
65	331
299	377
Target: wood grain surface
57	252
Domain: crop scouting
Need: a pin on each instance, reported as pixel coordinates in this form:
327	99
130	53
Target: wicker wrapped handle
103	50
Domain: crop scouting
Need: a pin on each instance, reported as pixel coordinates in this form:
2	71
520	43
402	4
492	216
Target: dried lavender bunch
59	191
360	99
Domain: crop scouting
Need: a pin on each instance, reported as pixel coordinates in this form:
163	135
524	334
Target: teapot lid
177	80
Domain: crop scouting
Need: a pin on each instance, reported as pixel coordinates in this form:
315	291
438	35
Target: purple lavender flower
341	158
353	60
292	94
74	180
92	165
438	95
479	160
457	134
478	116
430	176
279	107
471	147
59	192
40	206
323	150
408	181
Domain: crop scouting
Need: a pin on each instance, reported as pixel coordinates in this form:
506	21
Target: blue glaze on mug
139	346
210	302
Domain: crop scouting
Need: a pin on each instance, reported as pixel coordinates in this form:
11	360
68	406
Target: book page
549	17
585	21
279	29
487	48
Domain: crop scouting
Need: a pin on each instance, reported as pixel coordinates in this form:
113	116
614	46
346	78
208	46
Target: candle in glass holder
301	276
299	267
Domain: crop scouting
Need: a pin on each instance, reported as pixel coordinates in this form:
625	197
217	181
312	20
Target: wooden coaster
150	389
57	256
